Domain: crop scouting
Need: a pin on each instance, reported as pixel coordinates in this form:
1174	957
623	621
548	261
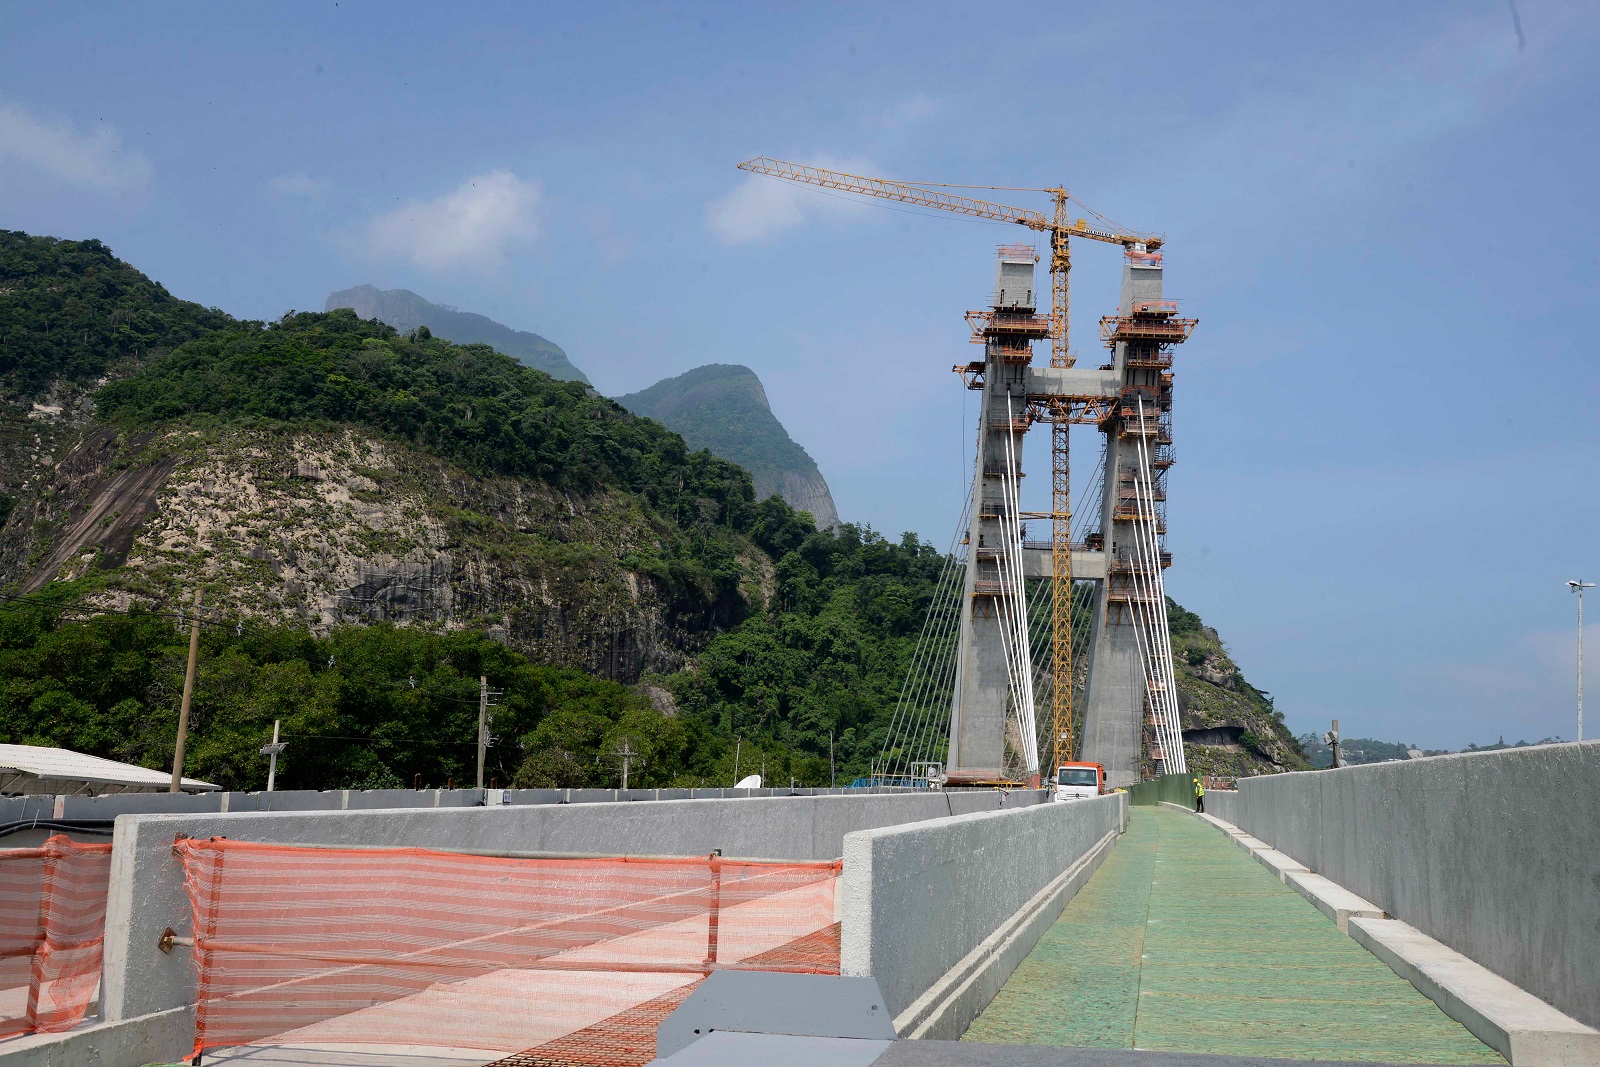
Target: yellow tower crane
1061	229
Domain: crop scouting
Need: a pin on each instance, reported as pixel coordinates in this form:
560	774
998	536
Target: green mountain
724	409
405	311
71	312
370	513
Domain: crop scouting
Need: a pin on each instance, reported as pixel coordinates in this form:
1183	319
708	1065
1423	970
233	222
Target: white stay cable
930	703
905	728
1014	602
1145	629
1031	736
1160	607
1161	695
1159	604
1145	663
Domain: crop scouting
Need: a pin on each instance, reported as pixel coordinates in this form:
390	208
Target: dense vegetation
71	310
405	311
377	706
364	706
827	661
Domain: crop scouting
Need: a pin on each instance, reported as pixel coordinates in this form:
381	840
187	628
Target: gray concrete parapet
921	901
1494	854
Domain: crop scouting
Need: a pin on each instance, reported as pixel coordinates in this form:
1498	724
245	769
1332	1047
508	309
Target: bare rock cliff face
341	527
806	493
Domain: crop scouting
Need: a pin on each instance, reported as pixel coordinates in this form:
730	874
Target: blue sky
1383	215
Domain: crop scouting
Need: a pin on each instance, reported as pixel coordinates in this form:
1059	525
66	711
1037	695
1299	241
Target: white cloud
473	223
95	159
761	205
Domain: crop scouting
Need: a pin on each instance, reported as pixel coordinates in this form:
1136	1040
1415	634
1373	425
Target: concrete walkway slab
1525	1030
1181	943
1332	899
1281	864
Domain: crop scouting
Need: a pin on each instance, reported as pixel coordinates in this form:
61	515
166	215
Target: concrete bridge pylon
1130	712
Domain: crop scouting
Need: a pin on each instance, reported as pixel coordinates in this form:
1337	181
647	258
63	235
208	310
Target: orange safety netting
52	923
412	947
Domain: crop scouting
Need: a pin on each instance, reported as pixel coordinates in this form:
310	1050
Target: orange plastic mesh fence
341	947
628	1039
52	922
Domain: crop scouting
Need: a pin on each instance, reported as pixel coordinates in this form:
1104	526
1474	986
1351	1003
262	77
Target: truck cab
1077	781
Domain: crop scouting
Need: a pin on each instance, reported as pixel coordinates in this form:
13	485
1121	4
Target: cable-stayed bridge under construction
1433	911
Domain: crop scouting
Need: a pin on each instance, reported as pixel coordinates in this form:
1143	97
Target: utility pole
272	751
625	754
833	780
1578	585
485	702
738	743
188	695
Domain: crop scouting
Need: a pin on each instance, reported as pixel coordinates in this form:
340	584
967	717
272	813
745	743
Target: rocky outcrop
1229	726
338	527
806	492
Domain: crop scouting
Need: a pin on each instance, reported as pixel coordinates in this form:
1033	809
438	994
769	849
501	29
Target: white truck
1076	781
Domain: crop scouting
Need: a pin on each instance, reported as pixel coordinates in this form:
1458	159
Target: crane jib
962	205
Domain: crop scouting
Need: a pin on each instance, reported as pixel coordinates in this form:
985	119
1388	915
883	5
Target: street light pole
1577	585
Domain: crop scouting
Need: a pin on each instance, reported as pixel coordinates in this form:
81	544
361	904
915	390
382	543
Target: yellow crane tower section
1061	229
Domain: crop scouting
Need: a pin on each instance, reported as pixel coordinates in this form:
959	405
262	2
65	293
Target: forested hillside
71	311
405	311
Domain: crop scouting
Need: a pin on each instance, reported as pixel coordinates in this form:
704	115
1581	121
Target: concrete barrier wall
21	808
918	899
1224	804
1496	854
147	895
17	811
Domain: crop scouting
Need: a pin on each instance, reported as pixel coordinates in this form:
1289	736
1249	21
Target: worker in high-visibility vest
1199	796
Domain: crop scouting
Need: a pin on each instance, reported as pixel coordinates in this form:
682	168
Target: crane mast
1060	413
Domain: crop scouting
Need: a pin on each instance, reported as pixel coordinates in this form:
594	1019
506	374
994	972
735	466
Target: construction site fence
506	954
1167	789
52	924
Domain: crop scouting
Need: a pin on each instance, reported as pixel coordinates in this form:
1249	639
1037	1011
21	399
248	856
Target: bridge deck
1181	942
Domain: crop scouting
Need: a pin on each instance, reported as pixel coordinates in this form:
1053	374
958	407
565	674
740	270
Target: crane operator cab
1077	781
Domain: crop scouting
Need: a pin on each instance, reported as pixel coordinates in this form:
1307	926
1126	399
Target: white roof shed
59	771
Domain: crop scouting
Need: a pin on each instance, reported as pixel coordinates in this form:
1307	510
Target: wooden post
715	861
188	695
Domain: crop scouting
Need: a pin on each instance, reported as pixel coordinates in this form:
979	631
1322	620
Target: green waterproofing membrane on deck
1182	942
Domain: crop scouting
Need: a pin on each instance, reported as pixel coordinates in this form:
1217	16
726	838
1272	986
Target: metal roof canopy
35	769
